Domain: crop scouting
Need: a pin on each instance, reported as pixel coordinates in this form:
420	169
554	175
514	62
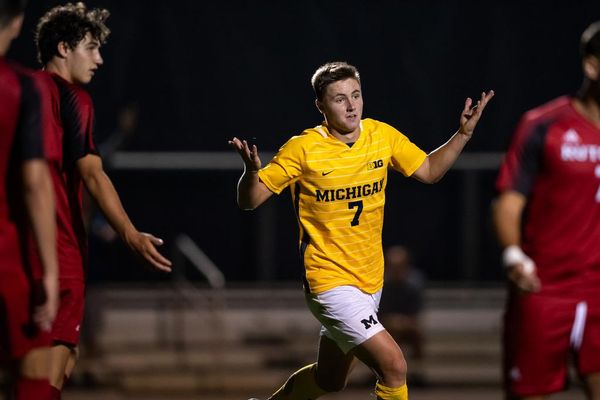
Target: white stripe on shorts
578	325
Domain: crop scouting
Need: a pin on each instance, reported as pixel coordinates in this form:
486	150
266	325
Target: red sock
54	393
33	389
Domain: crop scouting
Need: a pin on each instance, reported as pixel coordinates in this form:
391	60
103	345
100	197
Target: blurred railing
185	250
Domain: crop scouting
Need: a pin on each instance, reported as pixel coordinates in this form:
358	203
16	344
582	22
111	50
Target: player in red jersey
27	306
68	40
547	218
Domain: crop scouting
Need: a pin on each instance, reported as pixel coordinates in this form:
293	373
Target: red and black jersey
21	122
554	160
69	137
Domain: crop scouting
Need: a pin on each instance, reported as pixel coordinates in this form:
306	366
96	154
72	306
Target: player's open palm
470	115
144	244
248	153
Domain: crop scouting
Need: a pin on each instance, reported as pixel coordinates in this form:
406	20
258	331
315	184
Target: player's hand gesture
144	244
470	115
248	153
524	277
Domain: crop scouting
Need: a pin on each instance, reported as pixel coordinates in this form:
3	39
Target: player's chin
351	125
84	80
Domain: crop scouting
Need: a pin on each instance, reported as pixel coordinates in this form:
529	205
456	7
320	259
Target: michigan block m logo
368	322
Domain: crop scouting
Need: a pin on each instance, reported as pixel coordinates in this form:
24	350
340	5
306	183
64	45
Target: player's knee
394	371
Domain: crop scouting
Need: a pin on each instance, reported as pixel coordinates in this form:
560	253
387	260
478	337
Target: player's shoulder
376	126
45	79
9	77
548	112
31	81
22	74
20	70
380	130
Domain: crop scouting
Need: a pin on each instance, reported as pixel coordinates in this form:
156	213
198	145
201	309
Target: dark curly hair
590	41
332	72
10	9
69	24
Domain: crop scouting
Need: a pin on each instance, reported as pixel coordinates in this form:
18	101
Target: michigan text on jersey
351	192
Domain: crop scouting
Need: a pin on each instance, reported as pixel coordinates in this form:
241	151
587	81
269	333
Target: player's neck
9	31
58	67
587	103
346	137
5	40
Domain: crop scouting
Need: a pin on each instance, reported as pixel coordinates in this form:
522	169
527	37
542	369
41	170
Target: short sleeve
406	156
285	167
77	115
523	158
29	141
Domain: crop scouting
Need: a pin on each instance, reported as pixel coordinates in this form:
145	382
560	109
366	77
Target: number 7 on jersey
359	207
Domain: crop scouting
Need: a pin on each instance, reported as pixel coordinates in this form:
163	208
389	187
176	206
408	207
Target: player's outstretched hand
145	244
470	115
248	153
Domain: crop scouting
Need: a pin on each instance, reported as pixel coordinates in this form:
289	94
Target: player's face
83	60
342	106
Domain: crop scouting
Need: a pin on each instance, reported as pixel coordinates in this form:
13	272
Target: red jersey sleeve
524	157
28	139
77	115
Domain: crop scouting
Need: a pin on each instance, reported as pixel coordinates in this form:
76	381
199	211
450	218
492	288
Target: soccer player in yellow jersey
337	173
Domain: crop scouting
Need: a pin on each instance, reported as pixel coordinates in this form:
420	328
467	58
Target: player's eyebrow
344	94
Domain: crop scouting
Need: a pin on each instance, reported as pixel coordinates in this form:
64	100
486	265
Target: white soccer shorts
347	314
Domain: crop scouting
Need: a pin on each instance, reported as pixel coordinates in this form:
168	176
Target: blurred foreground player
547	218
68	40
27	306
337	173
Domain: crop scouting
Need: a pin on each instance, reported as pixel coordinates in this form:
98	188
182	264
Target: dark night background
202	72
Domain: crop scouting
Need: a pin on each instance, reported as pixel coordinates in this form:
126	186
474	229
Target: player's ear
591	68
15	26
319	106
62	48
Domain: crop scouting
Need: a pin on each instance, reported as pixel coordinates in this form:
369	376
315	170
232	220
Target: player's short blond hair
332	72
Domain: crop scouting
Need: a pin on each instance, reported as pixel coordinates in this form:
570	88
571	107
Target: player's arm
102	190
439	161
251	192
507	213
38	195
39	201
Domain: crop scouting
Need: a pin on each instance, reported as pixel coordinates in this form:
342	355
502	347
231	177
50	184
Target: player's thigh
60	358
67	325
36	363
588	361
383	355
537	333
333	365
20	335
592	383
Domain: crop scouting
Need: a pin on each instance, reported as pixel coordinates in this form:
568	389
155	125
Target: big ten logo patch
374	164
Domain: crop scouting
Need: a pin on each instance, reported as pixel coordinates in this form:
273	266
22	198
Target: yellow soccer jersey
339	195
